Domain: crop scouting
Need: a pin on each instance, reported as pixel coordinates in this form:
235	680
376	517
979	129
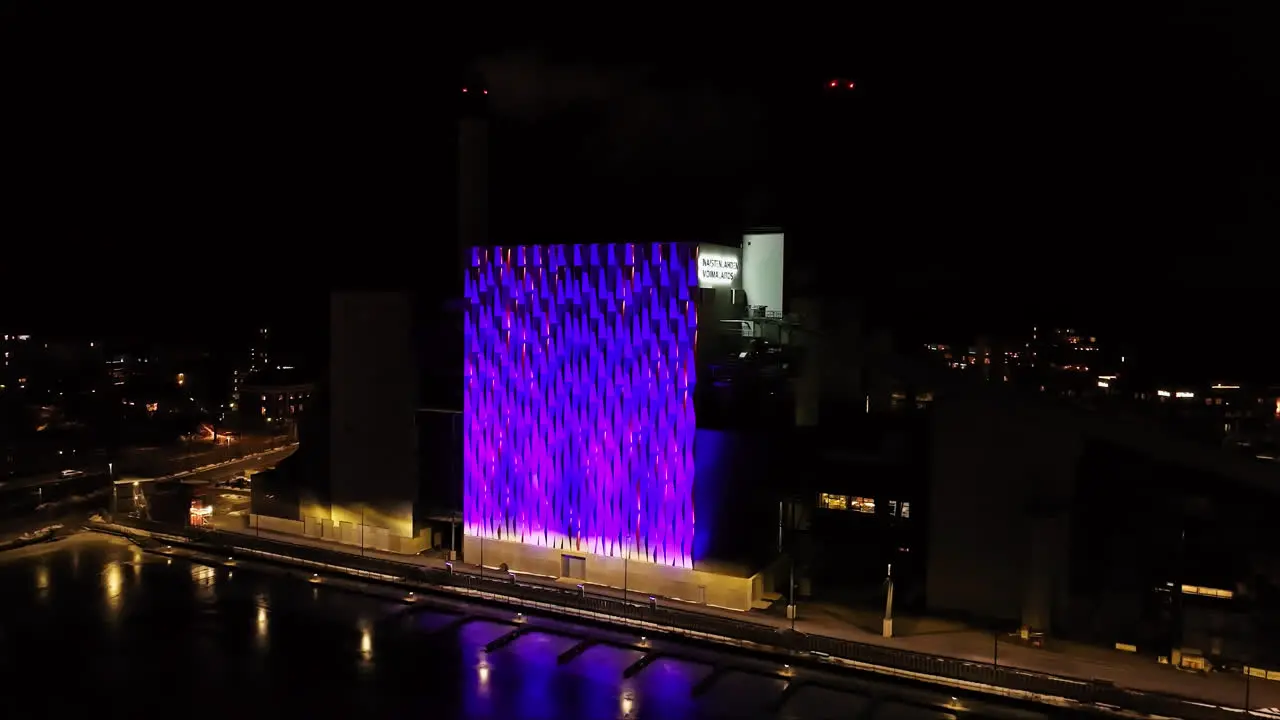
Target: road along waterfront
176	631
956	675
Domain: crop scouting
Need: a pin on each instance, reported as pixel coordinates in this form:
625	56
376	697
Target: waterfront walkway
922	635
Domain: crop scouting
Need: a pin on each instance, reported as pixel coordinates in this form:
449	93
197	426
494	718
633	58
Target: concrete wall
999	530
737	593
275	524
832	358
372	537
373	397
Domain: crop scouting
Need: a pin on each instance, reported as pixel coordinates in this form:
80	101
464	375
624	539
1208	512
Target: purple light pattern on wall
578	418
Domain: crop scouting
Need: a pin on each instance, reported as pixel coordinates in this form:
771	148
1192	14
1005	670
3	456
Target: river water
92	624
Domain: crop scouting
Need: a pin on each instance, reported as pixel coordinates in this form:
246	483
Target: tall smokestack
473	166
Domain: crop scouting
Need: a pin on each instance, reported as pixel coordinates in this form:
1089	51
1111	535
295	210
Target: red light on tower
853	85
464	89
834	83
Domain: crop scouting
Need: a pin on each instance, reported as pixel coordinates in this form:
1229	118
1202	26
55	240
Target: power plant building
583	456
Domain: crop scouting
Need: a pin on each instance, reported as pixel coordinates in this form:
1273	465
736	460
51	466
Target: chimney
473	167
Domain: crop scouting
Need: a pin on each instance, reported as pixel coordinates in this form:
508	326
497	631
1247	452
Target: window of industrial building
906	509
828	501
1207	591
893	508
833	502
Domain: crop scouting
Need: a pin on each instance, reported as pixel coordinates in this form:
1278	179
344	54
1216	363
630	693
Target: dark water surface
93	626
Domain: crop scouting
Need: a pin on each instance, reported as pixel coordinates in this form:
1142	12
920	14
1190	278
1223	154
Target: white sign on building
719	266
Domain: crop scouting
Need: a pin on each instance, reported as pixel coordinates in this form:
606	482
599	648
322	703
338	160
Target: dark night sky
1113	169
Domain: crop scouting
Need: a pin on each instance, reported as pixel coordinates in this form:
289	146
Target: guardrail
505	589
178	459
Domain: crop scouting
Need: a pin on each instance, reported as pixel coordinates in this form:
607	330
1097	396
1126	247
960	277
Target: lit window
893	508
833	502
906	509
863	504
1207	591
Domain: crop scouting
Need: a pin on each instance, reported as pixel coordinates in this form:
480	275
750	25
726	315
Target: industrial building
583	455
1098	527
669	418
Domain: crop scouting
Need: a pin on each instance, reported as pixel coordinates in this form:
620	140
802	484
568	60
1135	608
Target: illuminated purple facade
578	410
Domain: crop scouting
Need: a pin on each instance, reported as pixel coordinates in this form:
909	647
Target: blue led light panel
578	418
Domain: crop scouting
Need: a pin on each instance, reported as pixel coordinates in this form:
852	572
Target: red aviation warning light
842	84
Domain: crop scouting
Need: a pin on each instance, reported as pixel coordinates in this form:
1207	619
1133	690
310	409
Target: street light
791	581
887	624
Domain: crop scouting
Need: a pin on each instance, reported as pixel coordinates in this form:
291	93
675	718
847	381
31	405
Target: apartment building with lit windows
273	401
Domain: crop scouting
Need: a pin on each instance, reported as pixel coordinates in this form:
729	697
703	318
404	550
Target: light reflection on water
261	630
203	576
265	639
113	583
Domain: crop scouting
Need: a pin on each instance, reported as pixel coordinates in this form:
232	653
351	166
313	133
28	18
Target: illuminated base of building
372	537
736	591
